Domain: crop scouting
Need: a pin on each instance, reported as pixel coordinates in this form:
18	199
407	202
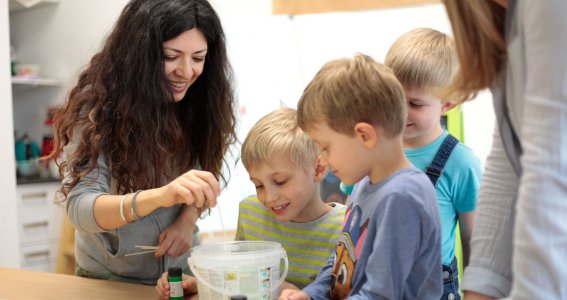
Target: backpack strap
435	169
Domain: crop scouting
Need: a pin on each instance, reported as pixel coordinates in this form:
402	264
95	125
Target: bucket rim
276	247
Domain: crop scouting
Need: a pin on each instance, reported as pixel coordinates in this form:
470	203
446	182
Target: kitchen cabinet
39	225
34	89
20	84
31	223
30	23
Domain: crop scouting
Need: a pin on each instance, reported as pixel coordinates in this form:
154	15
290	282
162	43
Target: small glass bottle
174	278
12	61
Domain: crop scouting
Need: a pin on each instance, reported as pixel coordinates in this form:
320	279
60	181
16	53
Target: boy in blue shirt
354	110
424	60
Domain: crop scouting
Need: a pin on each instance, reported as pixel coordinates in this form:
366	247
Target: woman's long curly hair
123	109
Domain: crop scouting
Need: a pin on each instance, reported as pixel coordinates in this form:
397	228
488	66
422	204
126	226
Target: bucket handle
200	279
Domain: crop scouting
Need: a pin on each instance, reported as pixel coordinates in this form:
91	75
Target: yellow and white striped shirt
308	245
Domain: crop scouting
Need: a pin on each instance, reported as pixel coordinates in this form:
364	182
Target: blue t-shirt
457	188
389	246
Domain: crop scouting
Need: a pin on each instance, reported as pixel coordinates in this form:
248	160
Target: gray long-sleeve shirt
101	253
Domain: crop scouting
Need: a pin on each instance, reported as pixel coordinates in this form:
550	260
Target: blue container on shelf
26	149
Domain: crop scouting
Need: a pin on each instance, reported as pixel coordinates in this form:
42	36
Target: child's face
344	155
287	190
423	117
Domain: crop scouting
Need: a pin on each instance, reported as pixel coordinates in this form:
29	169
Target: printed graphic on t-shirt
347	252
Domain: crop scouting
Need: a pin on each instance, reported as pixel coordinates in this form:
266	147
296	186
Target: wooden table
25	284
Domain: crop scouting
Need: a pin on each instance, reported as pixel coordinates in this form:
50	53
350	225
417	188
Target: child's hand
188	283
286	285
290	294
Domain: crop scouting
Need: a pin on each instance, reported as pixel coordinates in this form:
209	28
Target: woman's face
184	61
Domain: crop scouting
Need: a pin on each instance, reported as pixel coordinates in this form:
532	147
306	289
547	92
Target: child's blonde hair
352	90
278	133
423	58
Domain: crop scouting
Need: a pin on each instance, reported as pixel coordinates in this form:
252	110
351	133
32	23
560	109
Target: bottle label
175	289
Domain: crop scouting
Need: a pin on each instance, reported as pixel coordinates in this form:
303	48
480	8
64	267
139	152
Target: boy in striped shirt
283	164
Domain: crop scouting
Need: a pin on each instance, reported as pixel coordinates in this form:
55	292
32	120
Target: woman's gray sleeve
81	199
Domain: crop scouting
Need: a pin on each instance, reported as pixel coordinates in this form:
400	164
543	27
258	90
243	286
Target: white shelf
18	5
23	83
35	81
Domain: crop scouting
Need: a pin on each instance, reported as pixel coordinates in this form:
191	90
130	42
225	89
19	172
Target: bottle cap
238	297
174	272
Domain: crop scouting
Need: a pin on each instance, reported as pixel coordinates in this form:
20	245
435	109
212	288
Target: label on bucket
250	268
253	282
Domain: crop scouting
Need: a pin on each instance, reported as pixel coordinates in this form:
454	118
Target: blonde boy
424	60
282	162
354	110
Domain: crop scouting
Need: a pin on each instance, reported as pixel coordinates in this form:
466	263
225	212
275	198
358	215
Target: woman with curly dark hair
142	139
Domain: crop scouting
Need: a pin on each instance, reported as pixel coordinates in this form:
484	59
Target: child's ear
320	170
447	106
366	133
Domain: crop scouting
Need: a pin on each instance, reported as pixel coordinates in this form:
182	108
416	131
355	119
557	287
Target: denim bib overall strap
451	281
435	169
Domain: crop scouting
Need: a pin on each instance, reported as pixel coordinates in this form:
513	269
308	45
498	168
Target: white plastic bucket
250	268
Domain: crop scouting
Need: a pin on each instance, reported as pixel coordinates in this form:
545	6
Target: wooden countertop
25	284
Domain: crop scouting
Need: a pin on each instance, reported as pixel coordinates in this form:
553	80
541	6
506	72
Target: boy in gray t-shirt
354	110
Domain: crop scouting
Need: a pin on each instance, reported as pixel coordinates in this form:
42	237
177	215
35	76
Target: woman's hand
192	188
178	237
286	285
188	283
290	294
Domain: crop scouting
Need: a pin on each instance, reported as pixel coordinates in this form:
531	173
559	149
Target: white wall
274	57
9	251
323	37
242	8
271	62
